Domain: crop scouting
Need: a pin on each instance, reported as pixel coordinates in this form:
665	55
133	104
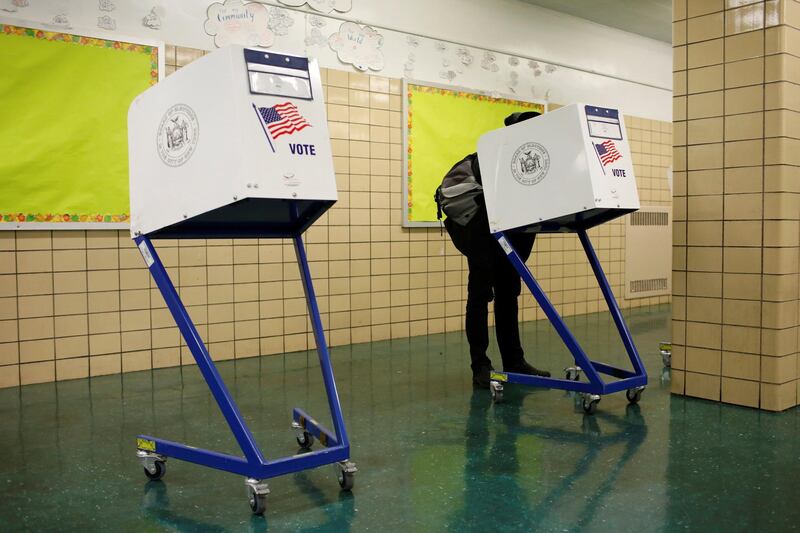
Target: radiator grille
648	253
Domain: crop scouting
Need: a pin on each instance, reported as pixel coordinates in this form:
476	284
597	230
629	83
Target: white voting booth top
234	144
566	170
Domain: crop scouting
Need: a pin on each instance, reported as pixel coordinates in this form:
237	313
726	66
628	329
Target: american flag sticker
283	119
280	119
607	152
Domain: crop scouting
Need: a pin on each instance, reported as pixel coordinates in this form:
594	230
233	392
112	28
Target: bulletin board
443	125
64	101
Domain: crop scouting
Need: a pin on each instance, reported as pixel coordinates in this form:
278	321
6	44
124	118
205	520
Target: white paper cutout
408	66
359	46
412	40
152	20
533	64
279	21
316	21
106	5
235	22
448	75
488	62
315	38
445	62
440	46
550	69
465	56
323	6
513	61
537	73
61	20
107	23
12	5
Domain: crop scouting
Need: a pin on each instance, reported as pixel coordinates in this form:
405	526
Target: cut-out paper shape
537	73
440	46
445	62
316	21
11	6
412	40
448	75
279	21
315	38
323	6
488	62
61	20
465	56
359	46
107	23
513	61
234	22
533	64
152	20
106	5
550	69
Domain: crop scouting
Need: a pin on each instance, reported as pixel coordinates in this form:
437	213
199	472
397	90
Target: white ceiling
651	18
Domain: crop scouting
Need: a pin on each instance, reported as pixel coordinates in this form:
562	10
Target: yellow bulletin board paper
443	126
64	102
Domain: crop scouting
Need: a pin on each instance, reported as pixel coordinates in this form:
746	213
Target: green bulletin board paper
63	136
444	126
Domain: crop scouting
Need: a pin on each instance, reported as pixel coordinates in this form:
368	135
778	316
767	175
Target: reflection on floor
432	453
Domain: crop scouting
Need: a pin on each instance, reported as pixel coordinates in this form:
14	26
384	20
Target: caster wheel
497	391
160	470
346	480
572	373
258	502
590	404
306	441
634	395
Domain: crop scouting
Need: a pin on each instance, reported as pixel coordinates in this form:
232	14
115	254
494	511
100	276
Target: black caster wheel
306	441
633	395
160	469
497	391
346	480
572	374
590	405
258	502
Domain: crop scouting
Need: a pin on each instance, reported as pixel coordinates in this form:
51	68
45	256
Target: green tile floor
433	454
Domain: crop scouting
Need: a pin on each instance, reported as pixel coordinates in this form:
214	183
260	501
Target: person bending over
491	274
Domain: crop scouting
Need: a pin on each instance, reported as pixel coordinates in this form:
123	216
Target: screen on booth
278	75
603	123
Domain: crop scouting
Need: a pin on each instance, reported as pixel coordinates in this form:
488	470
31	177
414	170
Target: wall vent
648	253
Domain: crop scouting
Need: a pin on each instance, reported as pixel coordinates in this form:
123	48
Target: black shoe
481	378
526	368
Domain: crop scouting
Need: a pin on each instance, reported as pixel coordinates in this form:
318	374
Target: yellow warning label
496	376
146	445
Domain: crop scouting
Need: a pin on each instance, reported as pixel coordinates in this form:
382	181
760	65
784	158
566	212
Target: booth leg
581	359
207	368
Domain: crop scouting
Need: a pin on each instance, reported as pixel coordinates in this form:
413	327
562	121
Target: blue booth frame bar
633	382
153	451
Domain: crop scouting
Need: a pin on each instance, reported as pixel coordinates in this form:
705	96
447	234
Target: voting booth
236	145
566	171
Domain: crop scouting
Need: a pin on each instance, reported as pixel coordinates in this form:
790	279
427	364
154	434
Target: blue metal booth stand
153	451
633	382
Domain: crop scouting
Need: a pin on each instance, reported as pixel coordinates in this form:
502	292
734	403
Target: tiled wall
76	304
736	204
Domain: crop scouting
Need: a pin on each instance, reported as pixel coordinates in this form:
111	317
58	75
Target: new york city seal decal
530	163
177	135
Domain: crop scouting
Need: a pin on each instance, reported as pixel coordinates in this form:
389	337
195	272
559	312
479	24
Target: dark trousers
491	276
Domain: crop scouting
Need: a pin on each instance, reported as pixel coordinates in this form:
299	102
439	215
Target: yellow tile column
737	208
